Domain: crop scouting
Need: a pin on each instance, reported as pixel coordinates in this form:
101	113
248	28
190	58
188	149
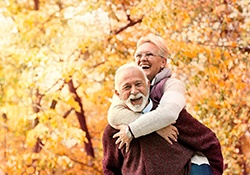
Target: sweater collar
149	107
166	72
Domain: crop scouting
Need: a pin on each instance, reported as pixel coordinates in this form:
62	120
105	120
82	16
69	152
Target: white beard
137	108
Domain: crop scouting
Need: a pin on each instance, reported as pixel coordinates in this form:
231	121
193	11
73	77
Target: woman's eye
138	56
149	54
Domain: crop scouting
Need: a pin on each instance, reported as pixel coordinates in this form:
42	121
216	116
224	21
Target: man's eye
138	84
126	87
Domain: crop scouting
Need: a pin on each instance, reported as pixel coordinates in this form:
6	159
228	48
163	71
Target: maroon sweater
148	155
152	155
194	134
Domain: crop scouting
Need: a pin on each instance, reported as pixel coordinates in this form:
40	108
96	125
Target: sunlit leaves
85	42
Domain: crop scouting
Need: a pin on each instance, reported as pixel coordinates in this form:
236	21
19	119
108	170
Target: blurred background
57	64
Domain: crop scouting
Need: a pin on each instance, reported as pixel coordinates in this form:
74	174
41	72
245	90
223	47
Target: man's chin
135	108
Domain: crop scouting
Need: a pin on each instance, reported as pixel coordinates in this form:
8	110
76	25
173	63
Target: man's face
133	89
147	57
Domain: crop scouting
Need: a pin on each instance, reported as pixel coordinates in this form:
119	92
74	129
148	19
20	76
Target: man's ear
117	93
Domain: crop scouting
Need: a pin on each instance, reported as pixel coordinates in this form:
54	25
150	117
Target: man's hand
122	137
169	133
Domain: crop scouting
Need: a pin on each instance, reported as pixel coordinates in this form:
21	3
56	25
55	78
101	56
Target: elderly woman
151	54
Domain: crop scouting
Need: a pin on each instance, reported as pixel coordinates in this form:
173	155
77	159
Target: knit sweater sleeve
119	114
171	103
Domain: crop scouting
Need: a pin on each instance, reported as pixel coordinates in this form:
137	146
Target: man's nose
134	90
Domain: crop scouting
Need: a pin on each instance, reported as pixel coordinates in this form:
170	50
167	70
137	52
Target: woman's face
147	56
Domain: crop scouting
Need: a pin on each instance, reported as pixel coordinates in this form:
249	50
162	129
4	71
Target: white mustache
132	96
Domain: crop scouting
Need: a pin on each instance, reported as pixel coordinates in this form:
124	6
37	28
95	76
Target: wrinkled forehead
147	47
131	75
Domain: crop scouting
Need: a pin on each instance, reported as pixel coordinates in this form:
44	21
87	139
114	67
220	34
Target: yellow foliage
71	101
30	170
31	138
86	42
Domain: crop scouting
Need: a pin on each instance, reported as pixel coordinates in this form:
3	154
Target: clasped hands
169	133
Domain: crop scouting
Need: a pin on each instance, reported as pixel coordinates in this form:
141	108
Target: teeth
135	99
145	66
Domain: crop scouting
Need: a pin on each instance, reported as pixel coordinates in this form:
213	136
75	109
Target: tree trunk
36	108
36	4
82	119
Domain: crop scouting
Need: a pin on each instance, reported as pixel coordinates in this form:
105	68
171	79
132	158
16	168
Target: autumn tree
57	65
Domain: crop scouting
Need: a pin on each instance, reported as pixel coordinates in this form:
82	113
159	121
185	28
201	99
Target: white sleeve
167	112
119	114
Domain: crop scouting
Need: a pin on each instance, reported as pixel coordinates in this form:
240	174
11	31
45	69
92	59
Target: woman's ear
163	63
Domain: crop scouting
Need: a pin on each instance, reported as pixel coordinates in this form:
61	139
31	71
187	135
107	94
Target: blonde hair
124	68
156	40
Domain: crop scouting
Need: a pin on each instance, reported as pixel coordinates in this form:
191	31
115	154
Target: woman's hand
169	133
123	138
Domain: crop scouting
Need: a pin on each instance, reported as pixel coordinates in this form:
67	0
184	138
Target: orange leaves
219	9
45	49
213	74
71	102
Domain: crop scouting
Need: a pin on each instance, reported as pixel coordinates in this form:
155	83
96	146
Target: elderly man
151	153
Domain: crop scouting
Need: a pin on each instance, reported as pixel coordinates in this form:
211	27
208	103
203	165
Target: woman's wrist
129	133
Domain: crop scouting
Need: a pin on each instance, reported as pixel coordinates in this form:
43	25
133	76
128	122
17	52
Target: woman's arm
119	114
171	103
167	112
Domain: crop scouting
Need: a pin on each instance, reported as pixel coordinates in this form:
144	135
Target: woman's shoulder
174	81
174	84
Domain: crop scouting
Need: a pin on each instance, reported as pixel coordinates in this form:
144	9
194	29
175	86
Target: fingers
176	130
121	145
118	141
169	141
127	147
173	137
173	128
173	134
121	137
116	135
121	141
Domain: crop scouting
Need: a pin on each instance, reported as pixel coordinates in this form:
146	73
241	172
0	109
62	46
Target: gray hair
156	40
127	67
